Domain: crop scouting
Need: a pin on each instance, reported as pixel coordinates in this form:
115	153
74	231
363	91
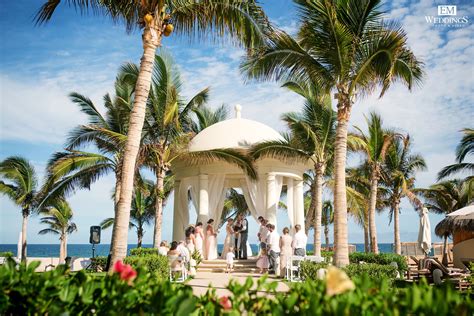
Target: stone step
222	269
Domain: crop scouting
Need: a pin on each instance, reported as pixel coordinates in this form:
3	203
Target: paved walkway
219	281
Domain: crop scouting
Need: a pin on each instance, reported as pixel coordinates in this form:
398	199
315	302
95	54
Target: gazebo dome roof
236	133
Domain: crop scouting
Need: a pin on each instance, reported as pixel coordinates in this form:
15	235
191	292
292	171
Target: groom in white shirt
273	245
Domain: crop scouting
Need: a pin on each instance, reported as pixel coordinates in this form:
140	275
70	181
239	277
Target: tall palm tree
312	138
58	216
374	145
327	219
244	21
142	211
398	176
344	46
464	149
19	183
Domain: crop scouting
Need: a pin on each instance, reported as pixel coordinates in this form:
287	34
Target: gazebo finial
238	110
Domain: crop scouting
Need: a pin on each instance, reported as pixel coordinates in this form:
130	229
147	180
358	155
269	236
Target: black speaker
95	235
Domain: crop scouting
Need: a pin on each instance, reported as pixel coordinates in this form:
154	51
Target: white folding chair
181	269
293	268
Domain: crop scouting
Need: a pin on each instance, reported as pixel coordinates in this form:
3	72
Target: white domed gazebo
208	183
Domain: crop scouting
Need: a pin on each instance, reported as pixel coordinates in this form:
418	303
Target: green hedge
143	251
98	264
382	258
7	254
374	271
156	264
24	292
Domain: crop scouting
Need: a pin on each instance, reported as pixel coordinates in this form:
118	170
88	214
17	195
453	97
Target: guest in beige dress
286	250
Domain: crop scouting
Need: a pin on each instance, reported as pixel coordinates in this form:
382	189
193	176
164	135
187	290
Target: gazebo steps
219	265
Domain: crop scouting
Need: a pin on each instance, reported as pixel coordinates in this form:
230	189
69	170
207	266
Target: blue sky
39	66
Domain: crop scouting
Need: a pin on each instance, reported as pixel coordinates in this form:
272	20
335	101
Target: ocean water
85	250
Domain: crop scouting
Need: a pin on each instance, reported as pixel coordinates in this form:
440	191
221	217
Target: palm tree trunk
318	210
341	251
116	199
366	231
160	176
373	201
396	228
139	236
61	249
326	235
24	230
310	216
151	40
65	246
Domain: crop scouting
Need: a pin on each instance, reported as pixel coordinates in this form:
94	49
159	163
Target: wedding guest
190	239
243	237
229	258
285	248
163	249
262	262
229	238
174	257
262	232
211	242
199	238
273	245
299	241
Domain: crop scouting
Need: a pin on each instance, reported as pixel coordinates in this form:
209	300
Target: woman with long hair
199	238
211	241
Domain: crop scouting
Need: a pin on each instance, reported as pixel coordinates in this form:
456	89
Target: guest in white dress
190	239
211	242
285	248
199	238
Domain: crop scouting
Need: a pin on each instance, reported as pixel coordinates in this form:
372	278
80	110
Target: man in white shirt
273	245
262	232
299	242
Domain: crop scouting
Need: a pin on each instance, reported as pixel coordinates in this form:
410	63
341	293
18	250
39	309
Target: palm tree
78	169
447	196
398	176
327	219
244	21
206	117
463	150
21	188
59	219
344	46
142	211
312	138
374	145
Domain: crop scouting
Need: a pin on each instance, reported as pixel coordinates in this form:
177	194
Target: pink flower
225	302
127	273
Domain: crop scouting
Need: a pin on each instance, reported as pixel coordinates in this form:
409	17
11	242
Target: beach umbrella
424	233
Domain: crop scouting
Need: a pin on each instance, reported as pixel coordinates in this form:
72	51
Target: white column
203	212
299	203
271	207
290	201
178	225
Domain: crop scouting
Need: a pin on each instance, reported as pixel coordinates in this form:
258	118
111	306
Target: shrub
98	264
7	254
309	270
381	258
155	264
24	292
372	270
143	251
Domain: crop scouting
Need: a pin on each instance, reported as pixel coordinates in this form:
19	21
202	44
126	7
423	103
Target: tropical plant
19	183
464	149
142	211
446	197
244	21
398	177
374	144
312	135
58	216
346	46
206	117
327	219
234	205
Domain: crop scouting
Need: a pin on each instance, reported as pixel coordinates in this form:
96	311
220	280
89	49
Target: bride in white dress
229	238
